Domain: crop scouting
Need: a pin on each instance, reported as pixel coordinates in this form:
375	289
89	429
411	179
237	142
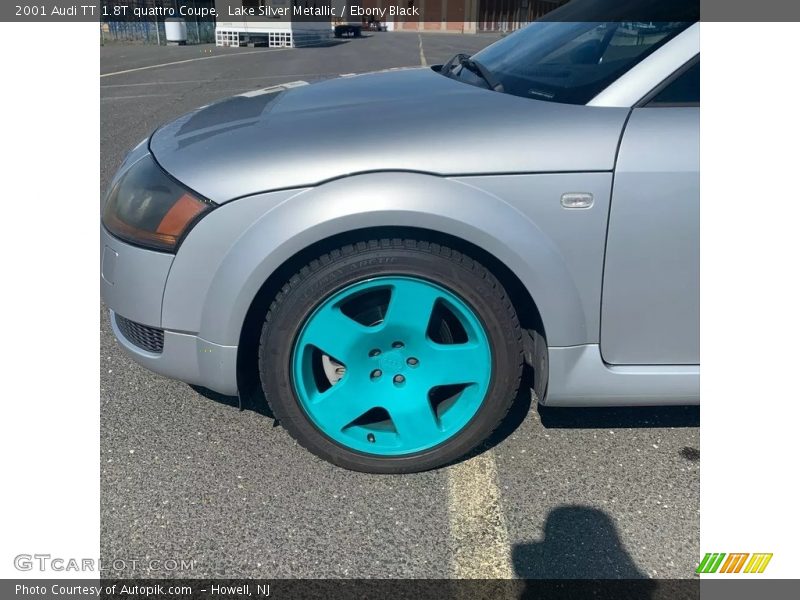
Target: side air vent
146	338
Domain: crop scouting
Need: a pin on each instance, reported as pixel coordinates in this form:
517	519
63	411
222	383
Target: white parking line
229	92
188	60
221	82
477	525
106	98
422	61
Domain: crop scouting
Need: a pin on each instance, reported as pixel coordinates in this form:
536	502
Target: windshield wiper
455	60
465	62
485	73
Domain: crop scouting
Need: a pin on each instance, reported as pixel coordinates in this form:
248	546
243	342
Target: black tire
334	270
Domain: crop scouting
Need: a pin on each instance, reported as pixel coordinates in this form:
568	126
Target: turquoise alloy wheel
391	355
391	366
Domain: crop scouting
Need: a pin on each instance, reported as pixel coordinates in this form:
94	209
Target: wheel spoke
415	421
340	405
455	364
411	305
333	332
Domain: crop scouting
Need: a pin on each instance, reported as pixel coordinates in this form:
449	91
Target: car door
651	283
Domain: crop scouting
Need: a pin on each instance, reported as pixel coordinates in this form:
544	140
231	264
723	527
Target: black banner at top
423	11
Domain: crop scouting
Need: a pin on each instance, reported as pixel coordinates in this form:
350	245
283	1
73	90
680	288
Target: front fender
230	254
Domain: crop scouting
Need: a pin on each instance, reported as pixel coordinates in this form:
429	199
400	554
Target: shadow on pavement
253	399
325	44
619	417
580	542
582	556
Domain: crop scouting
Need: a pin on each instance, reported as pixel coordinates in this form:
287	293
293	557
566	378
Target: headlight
149	208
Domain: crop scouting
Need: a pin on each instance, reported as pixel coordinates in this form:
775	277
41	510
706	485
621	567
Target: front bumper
132	283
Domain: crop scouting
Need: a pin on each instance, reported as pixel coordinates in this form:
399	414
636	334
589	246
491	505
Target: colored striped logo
719	562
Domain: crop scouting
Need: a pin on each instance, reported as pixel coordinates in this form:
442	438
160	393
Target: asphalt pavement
186	475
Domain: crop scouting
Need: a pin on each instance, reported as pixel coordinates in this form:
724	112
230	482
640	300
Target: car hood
410	120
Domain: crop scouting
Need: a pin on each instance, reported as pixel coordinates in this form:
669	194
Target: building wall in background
470	16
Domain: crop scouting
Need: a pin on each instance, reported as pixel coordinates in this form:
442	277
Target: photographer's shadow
581	543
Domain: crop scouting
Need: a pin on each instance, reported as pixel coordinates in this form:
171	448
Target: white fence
273	38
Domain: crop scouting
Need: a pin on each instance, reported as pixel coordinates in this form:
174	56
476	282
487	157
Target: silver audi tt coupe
536	203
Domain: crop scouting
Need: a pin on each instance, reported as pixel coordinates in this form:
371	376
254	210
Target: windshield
567	62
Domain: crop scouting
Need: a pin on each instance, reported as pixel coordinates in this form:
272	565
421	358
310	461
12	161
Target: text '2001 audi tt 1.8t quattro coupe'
535	203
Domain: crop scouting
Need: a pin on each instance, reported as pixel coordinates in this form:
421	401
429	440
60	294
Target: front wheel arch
524	304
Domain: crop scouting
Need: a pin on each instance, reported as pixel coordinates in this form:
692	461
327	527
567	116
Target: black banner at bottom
361	589
401	589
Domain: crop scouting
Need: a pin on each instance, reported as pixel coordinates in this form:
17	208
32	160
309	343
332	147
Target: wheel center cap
392	362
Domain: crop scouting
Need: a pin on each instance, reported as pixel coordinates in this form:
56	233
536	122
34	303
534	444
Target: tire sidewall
287	316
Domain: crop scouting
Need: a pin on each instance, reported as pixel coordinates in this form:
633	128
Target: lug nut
399	379
375	374
374	352
412	362
397	344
